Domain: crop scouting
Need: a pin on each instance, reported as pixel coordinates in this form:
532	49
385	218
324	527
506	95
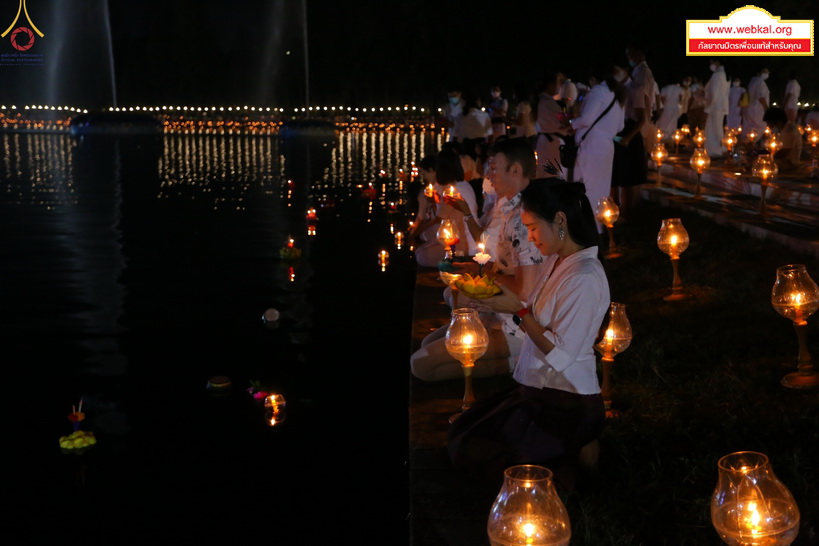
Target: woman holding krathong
555	407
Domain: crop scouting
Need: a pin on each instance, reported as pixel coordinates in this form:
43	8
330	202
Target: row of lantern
764	167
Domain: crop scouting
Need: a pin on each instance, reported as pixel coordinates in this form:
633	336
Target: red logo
22	39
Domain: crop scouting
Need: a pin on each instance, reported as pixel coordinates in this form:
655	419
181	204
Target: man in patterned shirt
514	265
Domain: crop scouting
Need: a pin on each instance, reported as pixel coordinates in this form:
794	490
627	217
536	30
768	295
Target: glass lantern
699	162
659	154
795	296
764	168
673	240
616	339
466	341
607	213
699	138
528	510
750	506
449	236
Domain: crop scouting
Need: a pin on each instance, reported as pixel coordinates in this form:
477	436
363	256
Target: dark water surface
134	269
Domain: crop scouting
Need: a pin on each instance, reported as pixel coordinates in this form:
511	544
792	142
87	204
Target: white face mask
765	75
713	67
620	75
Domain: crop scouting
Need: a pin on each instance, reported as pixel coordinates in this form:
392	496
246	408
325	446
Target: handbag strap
599	118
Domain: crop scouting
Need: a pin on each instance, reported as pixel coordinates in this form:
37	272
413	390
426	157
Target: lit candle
399	239
451	191
383	259
429	191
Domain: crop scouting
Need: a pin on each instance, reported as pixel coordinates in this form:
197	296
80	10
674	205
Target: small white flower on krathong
481	257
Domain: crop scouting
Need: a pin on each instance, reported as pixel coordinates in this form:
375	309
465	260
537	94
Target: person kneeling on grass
555	407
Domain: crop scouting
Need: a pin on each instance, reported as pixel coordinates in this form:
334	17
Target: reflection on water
83	215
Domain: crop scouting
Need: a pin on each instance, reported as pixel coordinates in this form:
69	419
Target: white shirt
571	303
594	103
792	91
716	92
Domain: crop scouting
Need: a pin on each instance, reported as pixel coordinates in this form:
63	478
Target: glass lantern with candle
607	213
616	339
449	236
528	510
699	162
765	169
466	341
750	505
659	154
795	296
699	138
729	140
678	136
773	144
673	240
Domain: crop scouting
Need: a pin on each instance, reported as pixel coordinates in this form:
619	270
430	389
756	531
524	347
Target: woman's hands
505	302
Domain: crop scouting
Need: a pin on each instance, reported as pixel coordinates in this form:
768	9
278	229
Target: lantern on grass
616	339
678	136
528	510
750	505
752	136
795	296
765	169
659	154
607	213
729	140
699	138
673	240
699	162
773	144
466	341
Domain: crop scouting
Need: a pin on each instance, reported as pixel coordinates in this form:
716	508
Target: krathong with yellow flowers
479	287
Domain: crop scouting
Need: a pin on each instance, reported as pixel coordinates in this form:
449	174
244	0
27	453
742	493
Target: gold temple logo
21	8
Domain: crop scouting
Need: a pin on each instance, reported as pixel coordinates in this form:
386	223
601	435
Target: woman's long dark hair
448	168
546	197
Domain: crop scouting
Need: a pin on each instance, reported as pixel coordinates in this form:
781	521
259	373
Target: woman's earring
561	233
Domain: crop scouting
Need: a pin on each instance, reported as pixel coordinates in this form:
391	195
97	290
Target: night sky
359	53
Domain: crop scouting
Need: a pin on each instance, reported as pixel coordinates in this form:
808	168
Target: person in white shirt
594	131
760	102
716	108
734	120
555	406
791	101
671	98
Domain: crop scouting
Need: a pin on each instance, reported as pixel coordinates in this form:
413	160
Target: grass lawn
700	380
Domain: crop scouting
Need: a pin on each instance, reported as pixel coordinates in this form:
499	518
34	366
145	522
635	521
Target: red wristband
522	312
